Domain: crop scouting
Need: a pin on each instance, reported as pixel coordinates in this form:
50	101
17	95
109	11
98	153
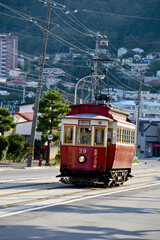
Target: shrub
3	148
58	157
18	148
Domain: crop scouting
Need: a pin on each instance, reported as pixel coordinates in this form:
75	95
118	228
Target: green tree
3	147
18	147
6	120
153	68
51	109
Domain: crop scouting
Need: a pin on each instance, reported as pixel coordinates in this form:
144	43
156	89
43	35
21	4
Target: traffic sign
50	137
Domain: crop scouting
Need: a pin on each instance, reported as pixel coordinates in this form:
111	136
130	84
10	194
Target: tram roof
88	109
89	116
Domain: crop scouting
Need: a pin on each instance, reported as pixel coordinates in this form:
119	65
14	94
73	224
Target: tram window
99	136
119	133
83	135
127	135
68	134
132	137
123	136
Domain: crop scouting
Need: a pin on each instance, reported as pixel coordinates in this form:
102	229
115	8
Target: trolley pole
137	120
38	93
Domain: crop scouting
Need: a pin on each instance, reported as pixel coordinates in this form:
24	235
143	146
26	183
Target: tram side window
68	134
125	136
99	136
132	137
83	135
119	134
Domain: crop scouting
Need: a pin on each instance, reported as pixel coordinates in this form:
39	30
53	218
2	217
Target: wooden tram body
97	145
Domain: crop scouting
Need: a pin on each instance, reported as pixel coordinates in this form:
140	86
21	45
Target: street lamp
82	79
85	80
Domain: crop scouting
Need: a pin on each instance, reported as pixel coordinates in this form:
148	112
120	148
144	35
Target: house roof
125	103
156	104
28	116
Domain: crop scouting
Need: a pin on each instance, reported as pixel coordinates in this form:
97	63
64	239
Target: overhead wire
29	18
120	15
8	15
73	37
75	29
77	21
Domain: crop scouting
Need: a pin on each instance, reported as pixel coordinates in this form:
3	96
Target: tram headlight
81	159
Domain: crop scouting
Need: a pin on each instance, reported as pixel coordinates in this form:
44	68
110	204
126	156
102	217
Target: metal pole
95	68
137	119
36	106
23	101
48	153
75	93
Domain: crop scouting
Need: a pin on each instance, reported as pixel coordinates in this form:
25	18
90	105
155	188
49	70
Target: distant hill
127	23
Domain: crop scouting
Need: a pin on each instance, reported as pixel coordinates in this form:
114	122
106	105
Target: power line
75	29
120	15
36	106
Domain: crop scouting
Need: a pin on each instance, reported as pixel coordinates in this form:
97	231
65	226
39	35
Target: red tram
97	145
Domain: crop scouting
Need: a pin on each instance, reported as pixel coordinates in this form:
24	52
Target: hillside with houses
123	54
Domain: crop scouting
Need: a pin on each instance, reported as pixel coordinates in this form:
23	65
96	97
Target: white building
15	72
26	108
139	66
128	106
146	96
121	52
4	93
24	119
138	50
8	53
148	110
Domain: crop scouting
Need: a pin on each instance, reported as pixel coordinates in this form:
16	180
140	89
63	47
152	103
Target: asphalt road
131	211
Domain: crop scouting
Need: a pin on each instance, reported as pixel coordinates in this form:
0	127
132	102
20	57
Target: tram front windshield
83	135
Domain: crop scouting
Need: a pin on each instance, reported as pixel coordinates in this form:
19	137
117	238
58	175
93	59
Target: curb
5	169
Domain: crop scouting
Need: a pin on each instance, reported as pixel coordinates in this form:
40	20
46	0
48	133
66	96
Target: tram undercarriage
109	178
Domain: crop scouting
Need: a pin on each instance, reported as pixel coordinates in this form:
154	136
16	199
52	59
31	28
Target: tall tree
51	109
6	120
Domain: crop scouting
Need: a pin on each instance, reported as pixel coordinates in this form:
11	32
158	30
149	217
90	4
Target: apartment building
8	53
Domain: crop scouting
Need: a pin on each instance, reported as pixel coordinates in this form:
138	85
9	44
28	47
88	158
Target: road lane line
79	199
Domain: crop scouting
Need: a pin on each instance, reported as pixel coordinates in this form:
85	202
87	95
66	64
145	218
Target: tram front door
109	144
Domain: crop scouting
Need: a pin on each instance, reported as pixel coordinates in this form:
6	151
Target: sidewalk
21	165
148	162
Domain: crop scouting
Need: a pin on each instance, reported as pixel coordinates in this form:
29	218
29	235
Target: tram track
40	199
30	191
20	198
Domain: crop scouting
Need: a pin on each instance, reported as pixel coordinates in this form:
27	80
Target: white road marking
79	199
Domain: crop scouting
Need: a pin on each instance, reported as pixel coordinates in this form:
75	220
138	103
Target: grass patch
137	161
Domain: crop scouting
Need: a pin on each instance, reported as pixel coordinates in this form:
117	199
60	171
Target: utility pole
137	119
23	101
95	67
38	93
